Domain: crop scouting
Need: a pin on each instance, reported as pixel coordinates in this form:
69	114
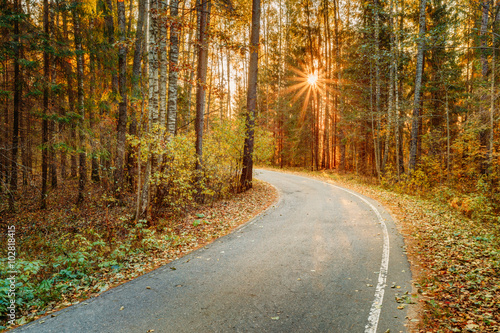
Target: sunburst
310	81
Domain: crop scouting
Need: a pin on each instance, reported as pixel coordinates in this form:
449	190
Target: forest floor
68	252
455	260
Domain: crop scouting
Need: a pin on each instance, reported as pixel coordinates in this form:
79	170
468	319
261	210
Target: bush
176	185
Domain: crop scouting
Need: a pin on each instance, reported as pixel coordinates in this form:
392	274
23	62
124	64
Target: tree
17	105
253	67
152	101
174	71
82	181
45	134
122	109
201	77
418	85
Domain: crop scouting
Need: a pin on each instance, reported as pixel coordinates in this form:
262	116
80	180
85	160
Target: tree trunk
326	125
136	87
45	129
483	114
153	100
340	97
173	69
17	106
246	173
71	106
163	62
418	85
52	125
492	103
396	102
4	178
192	63
228	71
110	27
377	84
201	81
122	106
390	101
92	96
81	111
139	39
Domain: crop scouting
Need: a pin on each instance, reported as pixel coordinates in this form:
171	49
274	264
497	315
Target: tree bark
82	181
390	102
152	101
326	125
377	85
418	86
71	106
52	126
138	51
136	87
163	62
253	66
173	69
17	106
204	9
483	113
122	106
110	27
342	162
396	102
492	102
94	176
45	123
192	62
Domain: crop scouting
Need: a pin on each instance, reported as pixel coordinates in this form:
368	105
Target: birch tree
173	70
152	101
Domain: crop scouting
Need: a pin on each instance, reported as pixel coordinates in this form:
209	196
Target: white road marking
373	317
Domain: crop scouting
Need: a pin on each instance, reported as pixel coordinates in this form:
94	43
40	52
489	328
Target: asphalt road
323	259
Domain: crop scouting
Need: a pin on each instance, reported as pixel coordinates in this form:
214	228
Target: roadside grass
69	253
455	258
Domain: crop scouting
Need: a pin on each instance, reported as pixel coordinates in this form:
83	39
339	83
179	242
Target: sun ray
309	81
297	86
300	93
304	106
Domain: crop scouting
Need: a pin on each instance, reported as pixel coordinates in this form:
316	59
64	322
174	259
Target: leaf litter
155	246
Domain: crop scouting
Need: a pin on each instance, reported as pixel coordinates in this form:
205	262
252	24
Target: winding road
323	259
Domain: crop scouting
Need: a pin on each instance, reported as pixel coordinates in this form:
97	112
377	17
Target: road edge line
374	316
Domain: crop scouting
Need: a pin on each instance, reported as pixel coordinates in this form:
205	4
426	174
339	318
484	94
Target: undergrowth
72	251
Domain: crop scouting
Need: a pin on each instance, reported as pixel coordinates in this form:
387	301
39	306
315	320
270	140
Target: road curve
323	259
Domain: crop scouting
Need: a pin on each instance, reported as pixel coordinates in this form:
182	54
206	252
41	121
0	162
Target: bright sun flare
312	79
310	82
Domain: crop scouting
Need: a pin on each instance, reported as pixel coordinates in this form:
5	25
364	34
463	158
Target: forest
134	112
401	91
